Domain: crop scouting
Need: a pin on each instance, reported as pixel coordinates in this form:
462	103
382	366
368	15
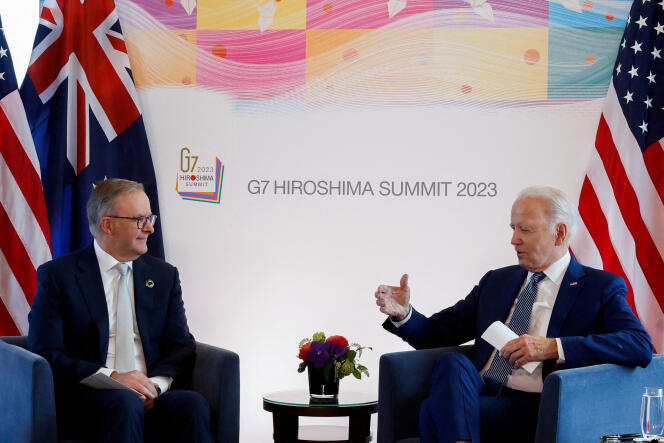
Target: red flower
338	339
303	350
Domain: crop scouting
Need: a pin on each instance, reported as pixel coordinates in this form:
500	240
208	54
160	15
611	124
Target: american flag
24	243
621	201
83	111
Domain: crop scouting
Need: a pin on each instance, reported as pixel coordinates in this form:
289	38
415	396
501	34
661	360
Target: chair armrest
403	383
27	413
216	377
582	404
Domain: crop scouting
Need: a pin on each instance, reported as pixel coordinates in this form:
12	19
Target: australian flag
83	112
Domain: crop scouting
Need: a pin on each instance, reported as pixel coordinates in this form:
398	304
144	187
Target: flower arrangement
333	355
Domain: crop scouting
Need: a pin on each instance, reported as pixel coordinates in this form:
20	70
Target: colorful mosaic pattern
317	53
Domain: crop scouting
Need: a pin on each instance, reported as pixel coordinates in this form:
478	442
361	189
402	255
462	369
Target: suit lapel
92	290
144	287
567	296
512	288
501	303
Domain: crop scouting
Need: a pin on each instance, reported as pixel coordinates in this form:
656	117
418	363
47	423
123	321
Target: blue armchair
27	405
578	405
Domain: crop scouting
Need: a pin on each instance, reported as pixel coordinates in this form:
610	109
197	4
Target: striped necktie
500	368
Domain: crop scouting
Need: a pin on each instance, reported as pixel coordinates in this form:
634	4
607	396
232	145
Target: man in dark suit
566	315
111	309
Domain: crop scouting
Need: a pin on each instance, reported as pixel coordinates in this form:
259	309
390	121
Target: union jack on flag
84	115
622	197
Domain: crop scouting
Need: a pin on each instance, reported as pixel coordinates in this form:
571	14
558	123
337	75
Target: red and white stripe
623	215
25	239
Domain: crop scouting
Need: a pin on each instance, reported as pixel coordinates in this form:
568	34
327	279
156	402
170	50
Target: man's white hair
561	208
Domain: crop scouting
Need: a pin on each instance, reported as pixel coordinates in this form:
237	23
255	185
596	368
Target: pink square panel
251	64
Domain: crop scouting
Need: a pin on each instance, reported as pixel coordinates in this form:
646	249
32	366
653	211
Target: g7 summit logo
199	182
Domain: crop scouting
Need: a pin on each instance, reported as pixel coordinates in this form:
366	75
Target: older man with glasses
110	309
565	315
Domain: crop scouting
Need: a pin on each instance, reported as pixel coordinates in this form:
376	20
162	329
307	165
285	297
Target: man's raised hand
394	300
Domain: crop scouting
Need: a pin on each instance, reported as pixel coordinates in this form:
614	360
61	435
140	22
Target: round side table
288	406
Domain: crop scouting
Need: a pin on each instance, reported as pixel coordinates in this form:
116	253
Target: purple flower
337	350
318	354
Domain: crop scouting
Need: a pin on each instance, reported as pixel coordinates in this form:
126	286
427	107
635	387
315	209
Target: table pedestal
285	420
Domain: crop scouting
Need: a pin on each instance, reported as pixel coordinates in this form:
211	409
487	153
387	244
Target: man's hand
528	348
148	404
140	383
394	300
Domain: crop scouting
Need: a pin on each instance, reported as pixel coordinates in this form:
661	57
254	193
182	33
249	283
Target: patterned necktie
124	323
500	368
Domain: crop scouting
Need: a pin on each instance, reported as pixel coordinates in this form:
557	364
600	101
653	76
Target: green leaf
350	355
302	366
327	370
361	368
357	374
360	348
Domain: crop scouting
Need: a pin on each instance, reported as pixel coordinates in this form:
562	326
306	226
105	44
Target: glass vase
321	390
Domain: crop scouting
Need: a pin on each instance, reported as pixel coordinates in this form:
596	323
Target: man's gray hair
561	208
102	199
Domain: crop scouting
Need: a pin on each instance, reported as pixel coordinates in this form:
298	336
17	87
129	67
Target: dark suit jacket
590	316
69	318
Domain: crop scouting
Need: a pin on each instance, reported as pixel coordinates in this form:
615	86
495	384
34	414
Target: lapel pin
149	283
573	283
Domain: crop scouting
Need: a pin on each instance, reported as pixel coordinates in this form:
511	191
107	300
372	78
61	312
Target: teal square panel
581	61
589	13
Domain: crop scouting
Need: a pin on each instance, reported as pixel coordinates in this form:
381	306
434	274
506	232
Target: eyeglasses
140	220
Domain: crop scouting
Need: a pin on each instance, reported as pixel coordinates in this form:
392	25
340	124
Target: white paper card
498	334
103	381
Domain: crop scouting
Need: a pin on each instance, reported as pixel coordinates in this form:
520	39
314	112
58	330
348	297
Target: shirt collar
557	270
106	260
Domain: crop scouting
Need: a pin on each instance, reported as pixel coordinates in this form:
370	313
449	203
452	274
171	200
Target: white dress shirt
547	292
110	278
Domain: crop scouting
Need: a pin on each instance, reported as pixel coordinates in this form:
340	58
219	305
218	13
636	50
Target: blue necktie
500	368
